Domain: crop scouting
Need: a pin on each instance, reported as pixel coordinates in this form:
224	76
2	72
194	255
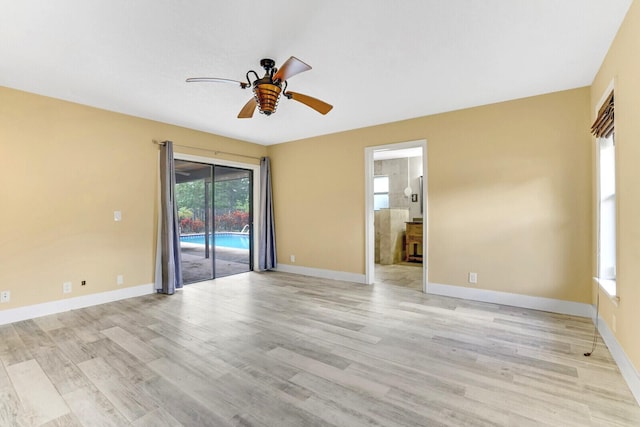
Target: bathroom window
380	192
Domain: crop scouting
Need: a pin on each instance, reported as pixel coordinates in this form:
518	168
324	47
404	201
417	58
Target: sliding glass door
232	213
215	210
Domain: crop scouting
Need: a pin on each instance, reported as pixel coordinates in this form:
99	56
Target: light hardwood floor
405	274
285	350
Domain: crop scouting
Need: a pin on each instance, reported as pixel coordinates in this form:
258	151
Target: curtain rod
215	152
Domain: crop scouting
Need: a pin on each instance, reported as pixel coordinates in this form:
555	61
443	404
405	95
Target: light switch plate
117	216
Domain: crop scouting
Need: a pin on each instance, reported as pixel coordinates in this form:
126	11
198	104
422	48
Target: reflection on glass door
214	209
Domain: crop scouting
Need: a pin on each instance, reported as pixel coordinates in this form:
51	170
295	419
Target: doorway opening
215	210
396	214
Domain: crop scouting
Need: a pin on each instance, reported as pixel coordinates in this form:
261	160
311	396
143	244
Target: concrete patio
196	267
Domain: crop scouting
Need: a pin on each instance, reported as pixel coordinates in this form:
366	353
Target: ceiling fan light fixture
267	90
267	96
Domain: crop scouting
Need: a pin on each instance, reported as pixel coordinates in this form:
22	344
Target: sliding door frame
255	196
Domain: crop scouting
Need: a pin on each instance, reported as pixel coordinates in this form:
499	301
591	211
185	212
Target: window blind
603	126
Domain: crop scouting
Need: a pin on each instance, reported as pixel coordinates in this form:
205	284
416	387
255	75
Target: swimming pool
225	240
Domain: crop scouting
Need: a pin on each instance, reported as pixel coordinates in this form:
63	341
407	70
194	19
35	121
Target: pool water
225	240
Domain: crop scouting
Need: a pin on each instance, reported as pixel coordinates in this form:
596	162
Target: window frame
606	280
380	193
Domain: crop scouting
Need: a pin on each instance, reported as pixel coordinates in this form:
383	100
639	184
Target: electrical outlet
293	258
83	283
473	277
66	288
117	216
5	296
120	279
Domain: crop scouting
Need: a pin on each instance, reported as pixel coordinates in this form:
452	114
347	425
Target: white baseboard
323	274
516	300
629	372
60	306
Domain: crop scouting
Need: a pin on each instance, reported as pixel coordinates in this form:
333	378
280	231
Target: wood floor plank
448	409
305	344
361	405
34	338
49	323
67	420
92	408
130	343
443	372
40	401
269	407
157	418
270	373
412	382
12	349
184	408
135	324
508	355
202	362
327	371
86	327
127	365
202	388
124	394
9	401
542	410
196	342
62	372
71	345
340	330
335	413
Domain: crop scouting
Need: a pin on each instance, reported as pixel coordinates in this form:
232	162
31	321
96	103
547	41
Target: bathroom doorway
396	215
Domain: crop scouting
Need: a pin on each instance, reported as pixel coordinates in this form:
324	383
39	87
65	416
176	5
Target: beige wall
509	196
64	169
622	64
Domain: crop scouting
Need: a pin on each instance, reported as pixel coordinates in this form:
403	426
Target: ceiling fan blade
320	106
248	109
217	80
290	68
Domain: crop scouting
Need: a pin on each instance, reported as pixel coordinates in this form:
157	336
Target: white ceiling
376	61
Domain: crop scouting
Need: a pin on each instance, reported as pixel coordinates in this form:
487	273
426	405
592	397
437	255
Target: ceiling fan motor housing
267	94
267	63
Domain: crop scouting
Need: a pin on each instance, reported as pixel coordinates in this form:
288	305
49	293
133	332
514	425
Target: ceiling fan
267	90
